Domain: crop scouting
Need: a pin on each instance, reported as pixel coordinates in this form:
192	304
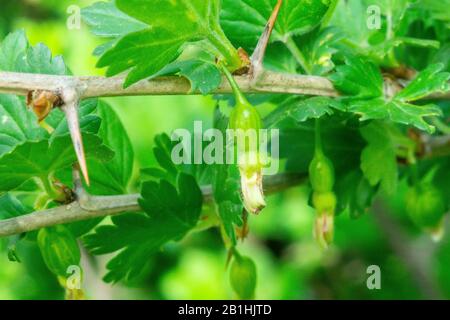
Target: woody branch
90	207
90	87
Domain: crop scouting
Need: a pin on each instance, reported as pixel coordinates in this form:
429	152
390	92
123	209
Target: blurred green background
290	264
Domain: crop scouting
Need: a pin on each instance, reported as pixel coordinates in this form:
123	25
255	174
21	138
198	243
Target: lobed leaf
172	211
363	83
168	29
41	159
359	78
301	109
244	20
396	111
11	207
428	81
378	159
112	177
226	186
106	21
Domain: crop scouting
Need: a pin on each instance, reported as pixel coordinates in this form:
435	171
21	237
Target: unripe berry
324	202
426	206
246	122
243	277
59	249
245	116
321	173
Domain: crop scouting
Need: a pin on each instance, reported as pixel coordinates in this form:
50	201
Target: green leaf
16	55
318	48
41	159
396	111
244	20
172	211
11	207
168	170
162	151
358	22
354	193
438	9
89	122
11	48
109	177
379	159
18	123
112	177
342	143
174	24
351	18
38	59
394	9
364	83
301	109
428	81
129	52
359	78
226	187
106	21
203	75
279	58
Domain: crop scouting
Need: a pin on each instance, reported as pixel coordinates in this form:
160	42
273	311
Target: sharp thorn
73	123
260	50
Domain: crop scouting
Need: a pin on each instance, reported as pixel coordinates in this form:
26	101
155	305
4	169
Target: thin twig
101	206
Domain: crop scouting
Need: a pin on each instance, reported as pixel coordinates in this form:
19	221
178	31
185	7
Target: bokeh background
290	264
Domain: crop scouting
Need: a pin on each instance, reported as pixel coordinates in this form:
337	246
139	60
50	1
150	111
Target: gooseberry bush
358	92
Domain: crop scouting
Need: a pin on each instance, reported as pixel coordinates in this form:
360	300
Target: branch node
82	196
